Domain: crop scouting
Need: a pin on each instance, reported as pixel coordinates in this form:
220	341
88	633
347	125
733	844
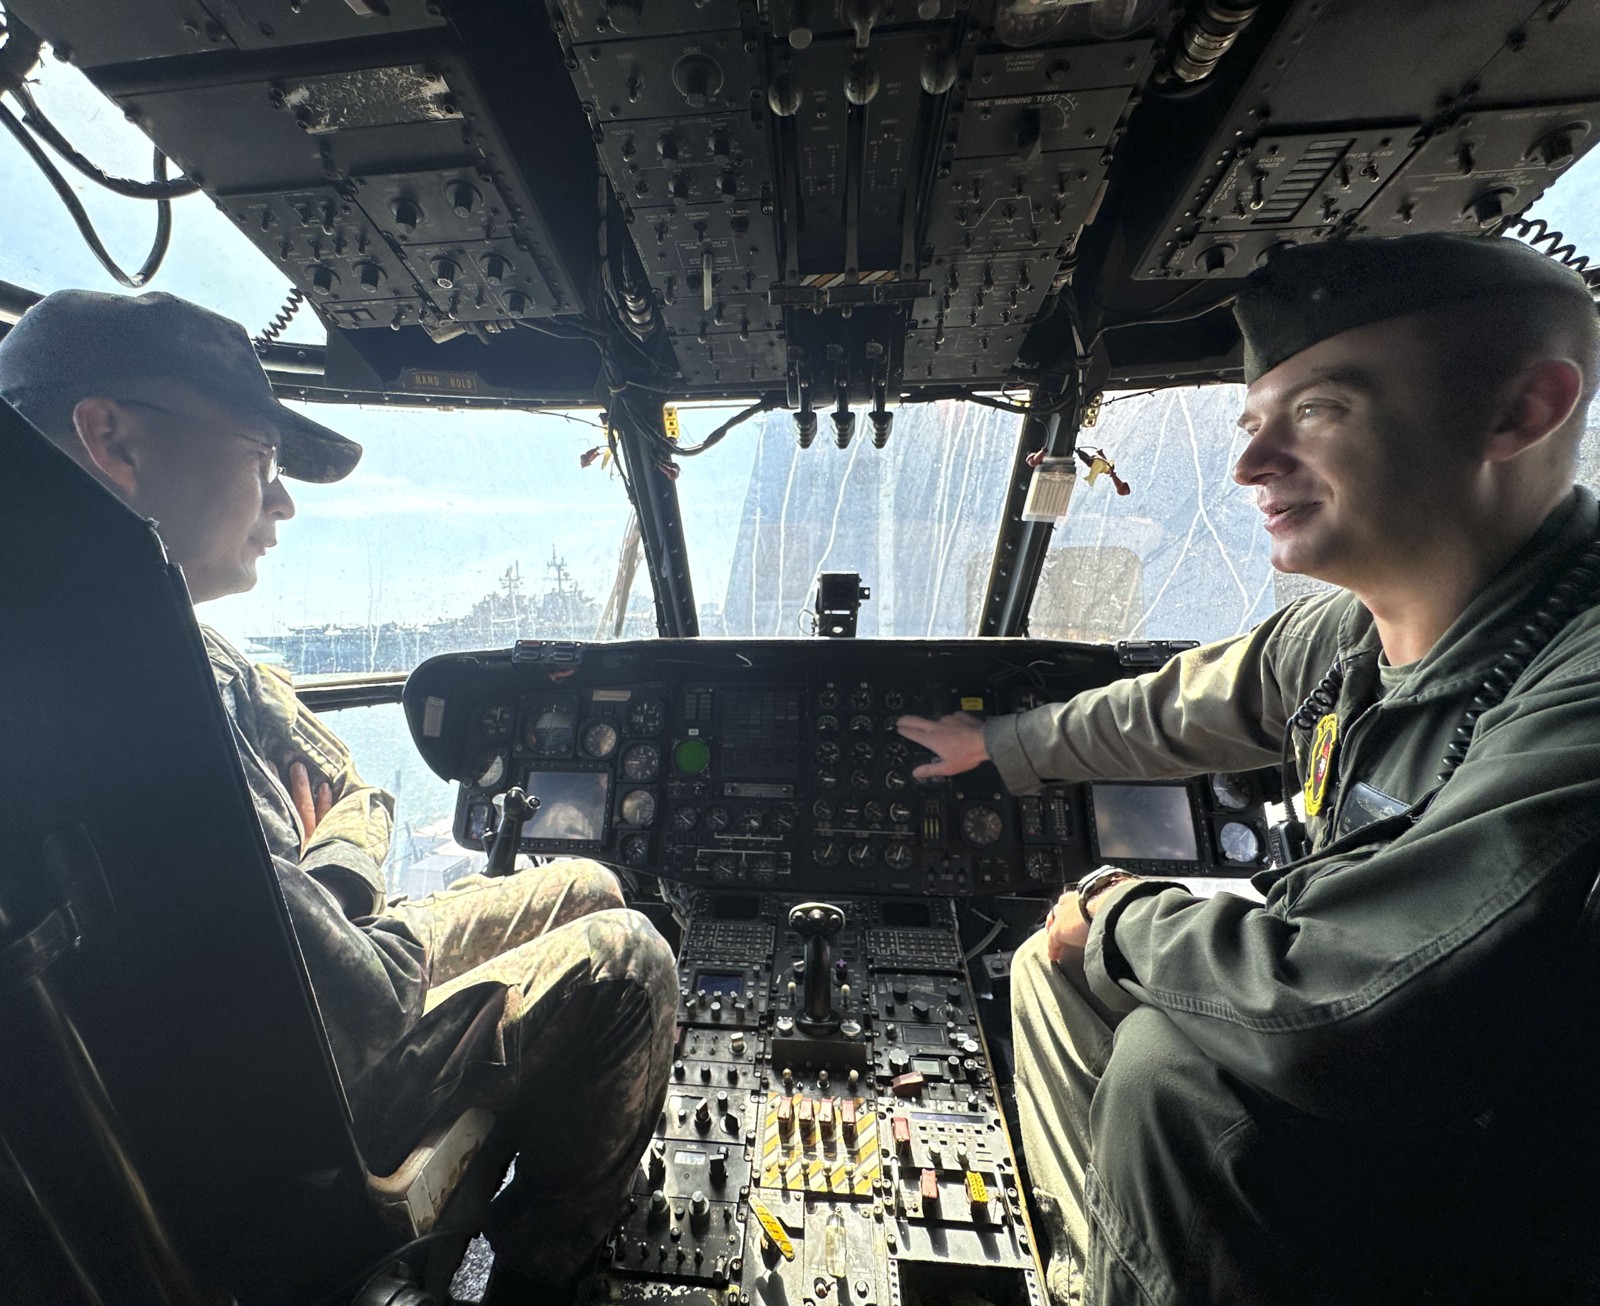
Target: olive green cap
1308	293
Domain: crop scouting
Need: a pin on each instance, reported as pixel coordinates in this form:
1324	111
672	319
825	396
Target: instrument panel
778	766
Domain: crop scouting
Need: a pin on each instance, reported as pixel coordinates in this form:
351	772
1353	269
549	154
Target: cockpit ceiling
748	197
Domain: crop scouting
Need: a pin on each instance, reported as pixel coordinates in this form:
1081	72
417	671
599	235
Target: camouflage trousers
586	1033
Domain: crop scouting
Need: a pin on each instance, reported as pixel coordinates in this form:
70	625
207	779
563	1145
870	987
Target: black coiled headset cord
1578	588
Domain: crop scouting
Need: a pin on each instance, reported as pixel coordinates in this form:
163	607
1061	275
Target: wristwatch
1101	878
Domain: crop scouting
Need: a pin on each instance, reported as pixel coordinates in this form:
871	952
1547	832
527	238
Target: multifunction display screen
1144	822
572	805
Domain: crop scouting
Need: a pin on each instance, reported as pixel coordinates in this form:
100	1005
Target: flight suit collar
1481	633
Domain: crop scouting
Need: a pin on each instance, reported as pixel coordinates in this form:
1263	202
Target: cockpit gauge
861	699
898	855
599	739
862	752
496	722
638	807
894	700
828	699
717	819
691	756
828	753
641	762
549	732
636	849
862	855
827	853
782	819
1239	843
827	778
981	825
827	724
645	716
1229	792
896	753
860	725
874	812
489	771
861	779
751	820
900	813
822	810
895	780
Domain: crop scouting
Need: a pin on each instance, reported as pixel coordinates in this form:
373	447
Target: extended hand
956	740
1065	929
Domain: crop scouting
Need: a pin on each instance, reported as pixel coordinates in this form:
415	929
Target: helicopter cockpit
736	377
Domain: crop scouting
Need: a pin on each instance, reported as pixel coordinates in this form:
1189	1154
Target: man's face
1352	458
208	476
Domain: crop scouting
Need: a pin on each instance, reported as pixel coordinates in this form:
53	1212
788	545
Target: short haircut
1480	344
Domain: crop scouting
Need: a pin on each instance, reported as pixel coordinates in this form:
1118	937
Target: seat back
125	820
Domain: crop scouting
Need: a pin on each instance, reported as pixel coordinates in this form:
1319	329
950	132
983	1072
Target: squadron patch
1322	744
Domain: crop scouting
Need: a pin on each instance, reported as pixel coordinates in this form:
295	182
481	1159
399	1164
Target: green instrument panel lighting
692	756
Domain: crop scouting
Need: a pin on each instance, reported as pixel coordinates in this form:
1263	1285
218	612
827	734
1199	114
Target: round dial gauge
717	819
489	771
896	752
862	752
981	825
895	780
827	853
685	817
828	753
1229	792
1239	842
862	855
723	868
636	849
861	699
873	811
894	700
751	820
645	716
898	855
822	810
641	762
861	780
860	725
496	722
549	732
827	725
827	779
782	819
900	813
828	699
638	807
599	739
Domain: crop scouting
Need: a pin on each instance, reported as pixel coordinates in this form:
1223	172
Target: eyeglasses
271	471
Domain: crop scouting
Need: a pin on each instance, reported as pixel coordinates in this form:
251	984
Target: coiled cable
280	320
1539	234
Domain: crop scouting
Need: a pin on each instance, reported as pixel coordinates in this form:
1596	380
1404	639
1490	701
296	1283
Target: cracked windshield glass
468	529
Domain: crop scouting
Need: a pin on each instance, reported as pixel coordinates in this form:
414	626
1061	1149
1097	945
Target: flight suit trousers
591	1001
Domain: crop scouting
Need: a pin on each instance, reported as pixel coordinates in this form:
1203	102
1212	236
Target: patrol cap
1308	293
86	342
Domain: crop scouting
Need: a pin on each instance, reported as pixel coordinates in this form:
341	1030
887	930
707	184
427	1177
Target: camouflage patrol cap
84	342
1308	293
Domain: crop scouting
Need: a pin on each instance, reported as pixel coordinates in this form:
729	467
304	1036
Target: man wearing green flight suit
538	995
1379	1085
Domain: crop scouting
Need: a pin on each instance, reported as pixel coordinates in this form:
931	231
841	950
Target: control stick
516	810
818	923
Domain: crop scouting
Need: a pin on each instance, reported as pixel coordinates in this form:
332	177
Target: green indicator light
692	756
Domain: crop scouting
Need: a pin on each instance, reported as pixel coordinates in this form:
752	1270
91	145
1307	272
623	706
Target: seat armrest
414	1195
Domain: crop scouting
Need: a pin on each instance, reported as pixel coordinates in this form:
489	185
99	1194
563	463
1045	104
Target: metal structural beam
655	497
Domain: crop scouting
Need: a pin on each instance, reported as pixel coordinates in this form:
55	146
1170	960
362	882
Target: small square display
572	806
1144	822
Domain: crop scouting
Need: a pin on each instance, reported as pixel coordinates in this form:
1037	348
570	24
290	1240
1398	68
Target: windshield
916	519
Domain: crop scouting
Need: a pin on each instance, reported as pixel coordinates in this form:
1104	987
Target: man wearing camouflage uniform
539	995
1380	1084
